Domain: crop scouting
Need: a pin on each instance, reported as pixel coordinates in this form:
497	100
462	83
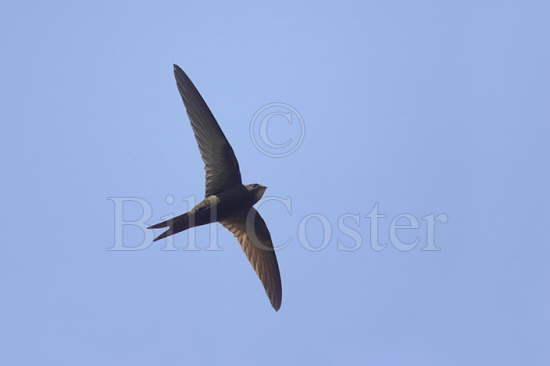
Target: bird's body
227	200
213	208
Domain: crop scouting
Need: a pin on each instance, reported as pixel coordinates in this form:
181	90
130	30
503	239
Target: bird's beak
261	191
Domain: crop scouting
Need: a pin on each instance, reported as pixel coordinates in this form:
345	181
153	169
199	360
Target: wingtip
276	304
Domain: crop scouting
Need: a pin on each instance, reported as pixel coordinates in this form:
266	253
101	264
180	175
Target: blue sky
418	108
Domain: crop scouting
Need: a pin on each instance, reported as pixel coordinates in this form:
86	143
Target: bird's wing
220	164
253	235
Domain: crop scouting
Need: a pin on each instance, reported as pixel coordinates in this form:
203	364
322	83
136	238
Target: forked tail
175	225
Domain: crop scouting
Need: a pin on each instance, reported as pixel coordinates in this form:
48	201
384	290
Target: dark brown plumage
227	200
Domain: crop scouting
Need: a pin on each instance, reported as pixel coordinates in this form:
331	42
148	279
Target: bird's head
257	189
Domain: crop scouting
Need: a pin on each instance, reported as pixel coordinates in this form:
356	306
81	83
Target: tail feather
160	225
164	234
175	224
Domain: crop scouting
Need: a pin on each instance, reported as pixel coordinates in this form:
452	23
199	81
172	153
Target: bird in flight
227	200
